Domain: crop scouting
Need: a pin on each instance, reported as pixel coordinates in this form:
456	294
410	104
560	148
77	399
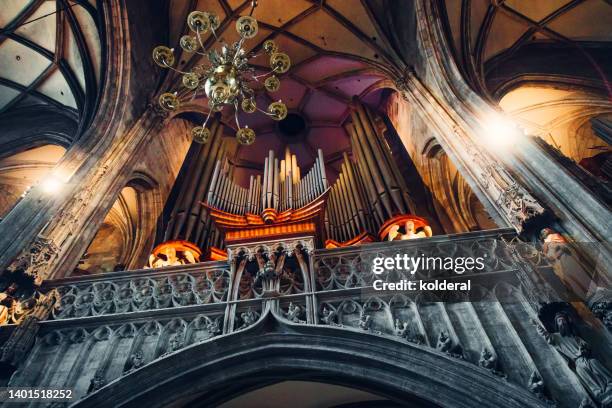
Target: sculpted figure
592	374
565	263
7	303
410	232
445	344
248	318
536	384
365	321
294	312
487	360
328	317
401	329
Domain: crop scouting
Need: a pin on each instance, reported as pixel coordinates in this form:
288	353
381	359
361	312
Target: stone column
459	116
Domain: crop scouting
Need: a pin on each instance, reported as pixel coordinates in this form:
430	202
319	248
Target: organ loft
199	200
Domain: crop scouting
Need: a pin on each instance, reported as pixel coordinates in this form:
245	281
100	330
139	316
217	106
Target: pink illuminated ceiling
337	53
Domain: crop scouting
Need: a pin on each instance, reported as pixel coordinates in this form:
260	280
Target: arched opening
303	394
566	120
20	171
125	237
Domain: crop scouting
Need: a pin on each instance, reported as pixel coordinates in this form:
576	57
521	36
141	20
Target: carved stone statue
98	381
248	318
401	329
213	327
137	360
7	303
592	374
445	344
565	263
487	360
294	312
365	321
536	385
329	317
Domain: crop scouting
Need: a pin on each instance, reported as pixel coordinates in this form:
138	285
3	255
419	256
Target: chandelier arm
236	114
200	41
207	117
174	69
253	5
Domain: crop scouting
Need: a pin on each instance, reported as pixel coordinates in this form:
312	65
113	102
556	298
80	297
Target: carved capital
34	259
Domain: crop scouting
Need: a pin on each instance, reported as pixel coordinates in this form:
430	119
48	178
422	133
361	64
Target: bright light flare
502	134
51	184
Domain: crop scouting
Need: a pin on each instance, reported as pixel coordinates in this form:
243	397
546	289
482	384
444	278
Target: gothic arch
272	350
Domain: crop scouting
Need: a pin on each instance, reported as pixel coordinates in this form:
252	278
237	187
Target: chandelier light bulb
200	134
270	47
189	43
198	21
169	101
249	105
191	80
280	62
272	83
277	110
247	27
163	56
245	136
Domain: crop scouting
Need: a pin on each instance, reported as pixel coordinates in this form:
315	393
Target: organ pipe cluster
280	188
370	189
188	219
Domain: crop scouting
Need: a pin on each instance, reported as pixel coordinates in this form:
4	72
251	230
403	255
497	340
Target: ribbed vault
50	55
502	43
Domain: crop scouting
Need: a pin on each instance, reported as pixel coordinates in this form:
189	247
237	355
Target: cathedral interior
193	194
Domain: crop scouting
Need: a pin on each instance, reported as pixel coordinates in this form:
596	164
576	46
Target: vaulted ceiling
337	52
50	55
502	42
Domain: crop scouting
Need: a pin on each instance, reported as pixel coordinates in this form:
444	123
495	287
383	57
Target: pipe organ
368	201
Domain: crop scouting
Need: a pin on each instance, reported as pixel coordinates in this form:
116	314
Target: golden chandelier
227	79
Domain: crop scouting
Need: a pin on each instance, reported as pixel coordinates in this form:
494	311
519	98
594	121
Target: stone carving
600	304
136	360
248	318
329	317
401	329
595	378
35	258
142	293
445	344
294	313
98	381
365	321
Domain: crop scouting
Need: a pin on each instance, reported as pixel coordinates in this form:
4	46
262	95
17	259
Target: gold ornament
247	27
200	134
272	83
277	110
249	105
198	21
189	43
214	107
169	101
270	47
191	80
163	56
245	136
280	62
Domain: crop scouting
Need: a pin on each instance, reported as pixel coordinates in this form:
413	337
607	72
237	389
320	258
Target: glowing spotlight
51	185
502	133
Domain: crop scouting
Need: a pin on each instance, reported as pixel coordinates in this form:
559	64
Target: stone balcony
107	326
